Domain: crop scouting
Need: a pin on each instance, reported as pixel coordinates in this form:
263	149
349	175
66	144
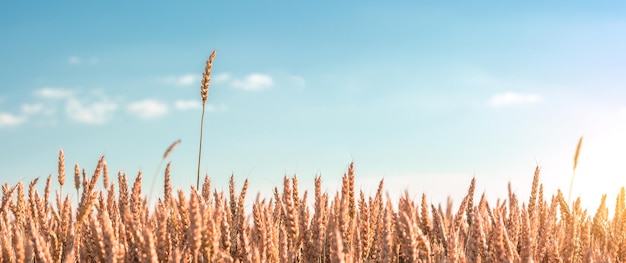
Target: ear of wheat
576	155
165	155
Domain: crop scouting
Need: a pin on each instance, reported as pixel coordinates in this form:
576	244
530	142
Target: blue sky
424	95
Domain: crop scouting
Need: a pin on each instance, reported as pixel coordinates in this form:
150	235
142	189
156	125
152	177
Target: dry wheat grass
115	224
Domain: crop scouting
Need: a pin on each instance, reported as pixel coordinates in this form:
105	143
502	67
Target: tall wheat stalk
571	183
204	93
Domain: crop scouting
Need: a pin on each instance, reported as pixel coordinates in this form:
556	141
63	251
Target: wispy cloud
53	93
196	105
221	78
148	109
93	113
30	109
253	82
74	60
34	110
97	110
250	82
521	91
187	104
9	120
183	80
512	98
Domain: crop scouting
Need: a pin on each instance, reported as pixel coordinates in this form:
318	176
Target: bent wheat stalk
571	183
165	155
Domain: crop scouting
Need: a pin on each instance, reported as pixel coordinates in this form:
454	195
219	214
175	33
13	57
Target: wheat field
112	222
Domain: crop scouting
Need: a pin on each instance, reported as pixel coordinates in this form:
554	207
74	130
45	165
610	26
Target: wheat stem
204	93
571	183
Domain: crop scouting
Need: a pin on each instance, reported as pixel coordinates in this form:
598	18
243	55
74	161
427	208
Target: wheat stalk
571	183
77	179
204	93
165	155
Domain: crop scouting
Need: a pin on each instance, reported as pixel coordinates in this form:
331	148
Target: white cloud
7	119
93	113
253	82
148	109
29	109
187	79
187	104
512	98
74	60
214	108
196	104
53	93
93	109
220	78
183	80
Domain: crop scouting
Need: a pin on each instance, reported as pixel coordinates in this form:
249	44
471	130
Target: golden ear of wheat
171	148
571	183
61	167
206	78
580	143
